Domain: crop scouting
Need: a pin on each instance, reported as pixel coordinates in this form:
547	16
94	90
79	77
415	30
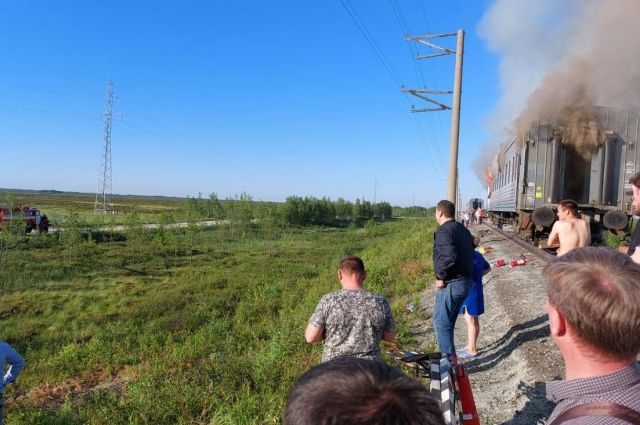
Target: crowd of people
473	216
593	305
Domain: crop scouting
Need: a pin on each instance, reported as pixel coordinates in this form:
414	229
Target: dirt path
516	354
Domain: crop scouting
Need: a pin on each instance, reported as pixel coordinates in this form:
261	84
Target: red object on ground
500	263
516	263
469	412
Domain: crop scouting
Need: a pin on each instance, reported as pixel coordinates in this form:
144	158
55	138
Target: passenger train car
474	204
587	160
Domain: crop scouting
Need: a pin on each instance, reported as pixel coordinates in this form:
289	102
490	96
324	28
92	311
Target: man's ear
557	321
340	275
364	275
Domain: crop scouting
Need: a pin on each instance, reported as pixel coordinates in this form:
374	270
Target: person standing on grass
453	266
351	321
473	305
8	356
593	302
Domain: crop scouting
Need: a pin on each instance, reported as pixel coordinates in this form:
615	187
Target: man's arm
313	333
636	256
554	238
389	331
317	322
444	253
588	230
388	336
16	362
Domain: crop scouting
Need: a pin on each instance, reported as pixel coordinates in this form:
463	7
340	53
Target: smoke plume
558	58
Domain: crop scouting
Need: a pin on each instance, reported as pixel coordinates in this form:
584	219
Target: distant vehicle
474	204
32	217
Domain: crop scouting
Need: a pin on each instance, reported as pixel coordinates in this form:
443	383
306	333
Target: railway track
538	252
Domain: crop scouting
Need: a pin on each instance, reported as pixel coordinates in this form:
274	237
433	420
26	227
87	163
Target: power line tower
457	90
103	203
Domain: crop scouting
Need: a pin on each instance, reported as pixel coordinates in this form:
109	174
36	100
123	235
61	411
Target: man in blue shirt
8	356
453	266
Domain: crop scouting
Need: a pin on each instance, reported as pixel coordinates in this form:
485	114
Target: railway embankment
516	354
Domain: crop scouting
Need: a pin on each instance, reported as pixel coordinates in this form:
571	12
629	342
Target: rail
538	252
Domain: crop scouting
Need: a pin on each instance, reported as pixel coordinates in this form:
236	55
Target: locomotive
474	204
588	157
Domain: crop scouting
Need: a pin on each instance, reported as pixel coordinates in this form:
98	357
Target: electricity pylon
103	203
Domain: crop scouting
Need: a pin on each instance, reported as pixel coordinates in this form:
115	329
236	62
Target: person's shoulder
368	294
562	224
330	296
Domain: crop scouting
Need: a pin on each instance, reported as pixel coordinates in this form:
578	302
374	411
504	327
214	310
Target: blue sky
269	98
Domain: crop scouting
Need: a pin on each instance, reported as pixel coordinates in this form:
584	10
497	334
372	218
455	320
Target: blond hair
598	292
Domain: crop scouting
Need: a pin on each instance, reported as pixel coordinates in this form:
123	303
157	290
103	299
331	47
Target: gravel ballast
516	354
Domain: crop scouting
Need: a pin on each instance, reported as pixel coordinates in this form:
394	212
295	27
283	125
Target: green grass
208	331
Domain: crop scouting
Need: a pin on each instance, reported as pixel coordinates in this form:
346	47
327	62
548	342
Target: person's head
593	298
351	270
445	210
635	186
567	208
359	392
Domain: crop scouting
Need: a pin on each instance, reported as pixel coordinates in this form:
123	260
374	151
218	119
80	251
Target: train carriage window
512	168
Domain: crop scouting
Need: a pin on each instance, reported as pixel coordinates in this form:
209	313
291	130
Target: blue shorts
474	303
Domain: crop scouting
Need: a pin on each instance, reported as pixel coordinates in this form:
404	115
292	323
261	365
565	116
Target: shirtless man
570	231
634	247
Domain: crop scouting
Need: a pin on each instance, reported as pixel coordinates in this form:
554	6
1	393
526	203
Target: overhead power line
371	41
386	63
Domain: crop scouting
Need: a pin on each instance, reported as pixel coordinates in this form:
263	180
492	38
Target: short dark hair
351	264
598	291
635	180
571	205
354	391
447	208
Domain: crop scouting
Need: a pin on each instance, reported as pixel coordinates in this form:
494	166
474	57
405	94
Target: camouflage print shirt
353	322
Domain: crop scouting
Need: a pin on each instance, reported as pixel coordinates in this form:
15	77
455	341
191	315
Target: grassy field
187	326
57	205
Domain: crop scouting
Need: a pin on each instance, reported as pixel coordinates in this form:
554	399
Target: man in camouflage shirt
351	321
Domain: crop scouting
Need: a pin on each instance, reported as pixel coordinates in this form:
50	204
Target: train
588	157
474	204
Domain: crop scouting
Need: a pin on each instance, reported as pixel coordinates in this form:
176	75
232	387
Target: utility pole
455	118
457	91
458	212
103	203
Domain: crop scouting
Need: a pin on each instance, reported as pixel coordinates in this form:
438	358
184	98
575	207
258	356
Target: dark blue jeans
445	312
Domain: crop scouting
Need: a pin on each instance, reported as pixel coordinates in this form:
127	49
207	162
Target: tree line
296	210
